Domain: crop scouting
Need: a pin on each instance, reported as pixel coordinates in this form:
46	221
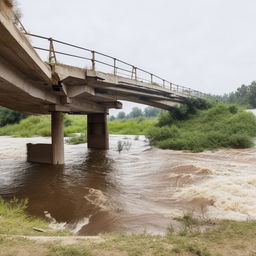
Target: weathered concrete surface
39	153
106	88
97	131
16	48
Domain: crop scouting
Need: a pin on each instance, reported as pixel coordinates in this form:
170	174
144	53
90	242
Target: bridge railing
99	61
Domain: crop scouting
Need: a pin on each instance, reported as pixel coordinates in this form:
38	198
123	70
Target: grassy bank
214	126
196	125
40	126
193	236
14	220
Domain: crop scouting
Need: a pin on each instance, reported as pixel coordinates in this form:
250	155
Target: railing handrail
133	72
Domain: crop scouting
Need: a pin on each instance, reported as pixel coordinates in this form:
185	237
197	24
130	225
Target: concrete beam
79	105
15	47
72	91
12	76
64	72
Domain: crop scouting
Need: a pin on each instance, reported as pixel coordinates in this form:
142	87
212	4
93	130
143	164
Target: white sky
208	45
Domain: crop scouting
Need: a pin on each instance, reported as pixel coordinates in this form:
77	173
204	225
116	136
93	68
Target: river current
140	189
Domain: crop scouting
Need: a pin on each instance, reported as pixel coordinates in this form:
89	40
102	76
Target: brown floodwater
136	190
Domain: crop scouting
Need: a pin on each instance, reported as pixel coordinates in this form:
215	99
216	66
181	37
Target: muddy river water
136	190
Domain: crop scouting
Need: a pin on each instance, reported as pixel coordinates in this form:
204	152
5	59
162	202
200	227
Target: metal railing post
115	69
135	72
151	78
93	60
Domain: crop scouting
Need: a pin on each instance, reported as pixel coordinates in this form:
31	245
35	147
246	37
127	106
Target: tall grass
14	220
41	126
221	125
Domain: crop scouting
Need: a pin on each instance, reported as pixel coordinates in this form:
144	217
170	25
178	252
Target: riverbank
41	126
21	234
196	125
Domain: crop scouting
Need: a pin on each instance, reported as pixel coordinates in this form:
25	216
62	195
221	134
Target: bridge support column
57	138
97	131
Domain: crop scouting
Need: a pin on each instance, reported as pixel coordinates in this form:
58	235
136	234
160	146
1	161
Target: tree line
8	116
136	112
245	95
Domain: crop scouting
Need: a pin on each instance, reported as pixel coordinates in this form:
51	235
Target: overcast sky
208	45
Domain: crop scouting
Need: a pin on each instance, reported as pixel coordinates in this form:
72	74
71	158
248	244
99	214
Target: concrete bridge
30	85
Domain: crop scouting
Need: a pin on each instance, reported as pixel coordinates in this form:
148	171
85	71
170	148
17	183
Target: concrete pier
57	138
97	131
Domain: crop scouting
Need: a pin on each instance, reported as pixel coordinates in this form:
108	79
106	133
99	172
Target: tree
112	118
151	112
252	94
136	112
121	115
8	116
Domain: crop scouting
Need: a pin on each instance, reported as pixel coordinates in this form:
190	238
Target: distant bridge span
30	85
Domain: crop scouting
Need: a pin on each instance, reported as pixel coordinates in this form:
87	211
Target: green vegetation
136	112
8	116
195	125
14	220
199	125
136	126
41	126
244	95
191	236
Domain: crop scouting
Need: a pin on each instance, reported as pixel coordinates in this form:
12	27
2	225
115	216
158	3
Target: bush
183	111
221	125
165	118
240	141
157	134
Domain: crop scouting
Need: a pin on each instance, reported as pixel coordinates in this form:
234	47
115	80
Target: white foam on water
96	197
233	197
74	228
81	223
53	222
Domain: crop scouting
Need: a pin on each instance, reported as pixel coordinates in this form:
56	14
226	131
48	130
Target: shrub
240	141
155	134
165	118
221	125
